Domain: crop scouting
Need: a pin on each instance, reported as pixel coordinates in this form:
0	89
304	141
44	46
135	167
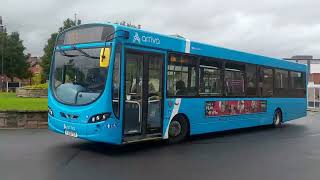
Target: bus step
135	139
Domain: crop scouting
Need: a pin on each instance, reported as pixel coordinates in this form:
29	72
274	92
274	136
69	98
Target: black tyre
277	119
178	130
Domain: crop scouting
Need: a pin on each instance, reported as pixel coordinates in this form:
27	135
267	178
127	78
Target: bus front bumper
107	131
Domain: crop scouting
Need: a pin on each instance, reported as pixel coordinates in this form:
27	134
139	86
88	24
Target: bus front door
143	94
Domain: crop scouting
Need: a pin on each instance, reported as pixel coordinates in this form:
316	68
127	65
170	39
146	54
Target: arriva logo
136	38
145	39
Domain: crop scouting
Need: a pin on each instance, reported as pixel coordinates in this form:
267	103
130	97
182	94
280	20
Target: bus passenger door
154	93
143	93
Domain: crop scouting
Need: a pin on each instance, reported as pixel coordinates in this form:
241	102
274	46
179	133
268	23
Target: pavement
289	153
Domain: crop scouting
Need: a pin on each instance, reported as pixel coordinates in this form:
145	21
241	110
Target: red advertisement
220	108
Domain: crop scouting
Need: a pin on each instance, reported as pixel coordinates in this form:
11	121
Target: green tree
15	61
46	58
49	47
3	38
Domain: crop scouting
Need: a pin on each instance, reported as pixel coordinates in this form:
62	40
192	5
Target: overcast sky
276	28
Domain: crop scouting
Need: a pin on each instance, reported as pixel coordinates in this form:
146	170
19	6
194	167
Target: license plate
71	133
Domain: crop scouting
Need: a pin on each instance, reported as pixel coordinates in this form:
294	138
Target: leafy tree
46	58
49	47
15	62
3	38
36	79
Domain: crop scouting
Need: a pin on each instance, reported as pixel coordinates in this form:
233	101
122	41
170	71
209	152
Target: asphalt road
292	152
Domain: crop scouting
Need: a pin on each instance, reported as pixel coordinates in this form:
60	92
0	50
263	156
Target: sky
275	28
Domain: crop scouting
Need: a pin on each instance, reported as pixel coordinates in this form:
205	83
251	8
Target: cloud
272	28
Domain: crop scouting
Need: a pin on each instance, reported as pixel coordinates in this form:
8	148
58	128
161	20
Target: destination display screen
85	34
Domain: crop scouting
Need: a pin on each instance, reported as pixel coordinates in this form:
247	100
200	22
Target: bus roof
182	45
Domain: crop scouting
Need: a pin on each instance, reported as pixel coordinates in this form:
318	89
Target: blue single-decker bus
116	84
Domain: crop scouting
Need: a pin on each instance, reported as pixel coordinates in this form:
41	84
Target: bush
36	79
38	86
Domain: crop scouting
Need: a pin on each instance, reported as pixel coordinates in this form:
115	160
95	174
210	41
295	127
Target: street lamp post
2	56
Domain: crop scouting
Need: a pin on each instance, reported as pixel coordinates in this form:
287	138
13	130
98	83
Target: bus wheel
277	119
178	130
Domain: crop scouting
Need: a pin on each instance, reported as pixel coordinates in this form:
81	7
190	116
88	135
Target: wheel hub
277	119
174	129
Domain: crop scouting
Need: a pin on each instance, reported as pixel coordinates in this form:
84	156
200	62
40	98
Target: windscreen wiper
85	54
112	36
63	53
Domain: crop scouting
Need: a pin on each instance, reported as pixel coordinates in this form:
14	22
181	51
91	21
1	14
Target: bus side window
234	79
251	77
297	84
210	77
182	75
281	83
266	82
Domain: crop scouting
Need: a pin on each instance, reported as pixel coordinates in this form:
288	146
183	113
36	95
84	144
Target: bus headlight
50	112
99	118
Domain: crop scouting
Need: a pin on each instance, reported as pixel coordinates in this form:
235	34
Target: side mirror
104	57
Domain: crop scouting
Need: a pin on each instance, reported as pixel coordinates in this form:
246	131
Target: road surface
288	153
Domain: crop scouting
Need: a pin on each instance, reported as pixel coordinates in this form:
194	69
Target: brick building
35	69
35	66
314	77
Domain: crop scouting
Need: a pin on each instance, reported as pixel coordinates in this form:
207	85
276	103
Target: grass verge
9	101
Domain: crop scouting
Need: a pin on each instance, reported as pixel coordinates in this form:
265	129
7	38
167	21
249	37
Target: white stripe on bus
188	46
174	112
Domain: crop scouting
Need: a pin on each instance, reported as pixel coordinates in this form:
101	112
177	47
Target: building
35	64
35	68
315	78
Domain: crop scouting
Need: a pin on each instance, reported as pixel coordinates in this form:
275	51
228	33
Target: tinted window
281	83
182	75
155	75
116	82
251	72
297	84
204	76
210	77
266	83
234	79
297	80
134	76
281	80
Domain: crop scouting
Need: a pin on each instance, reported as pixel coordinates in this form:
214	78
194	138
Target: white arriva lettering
145	39
150	39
